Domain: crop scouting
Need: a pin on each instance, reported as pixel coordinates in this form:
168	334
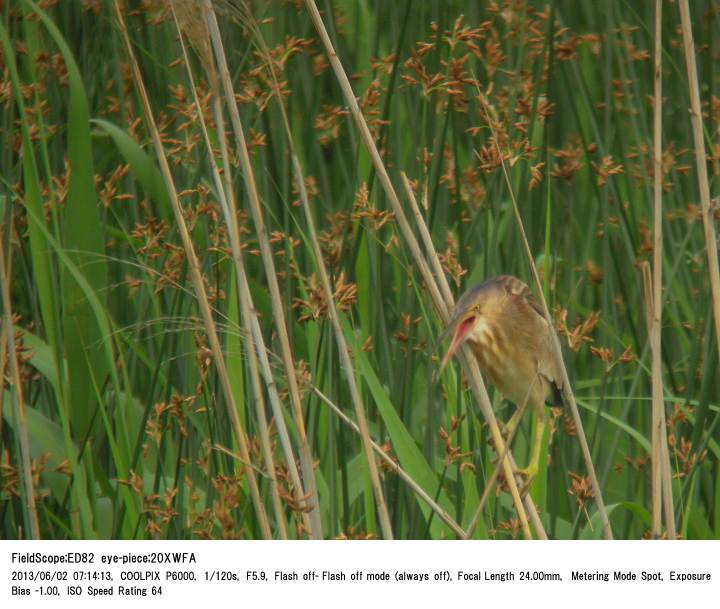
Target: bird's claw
507	430
504	430
527	475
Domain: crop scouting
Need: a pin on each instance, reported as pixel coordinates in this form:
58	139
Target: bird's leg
508	429
529	472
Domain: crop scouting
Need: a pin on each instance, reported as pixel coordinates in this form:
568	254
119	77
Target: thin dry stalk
344	351
21	430
428	242
655	429
701	162
312	499
654	302
196	279
441	279
3	362
260	353
667	492
566	389
3	335
251	325
395	467
230	221
254	331
265	440
496	471
468	362
343	348
659	436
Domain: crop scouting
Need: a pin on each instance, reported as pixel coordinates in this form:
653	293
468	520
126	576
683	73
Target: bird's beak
461	331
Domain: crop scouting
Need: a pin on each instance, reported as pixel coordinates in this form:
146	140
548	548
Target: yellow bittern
512	341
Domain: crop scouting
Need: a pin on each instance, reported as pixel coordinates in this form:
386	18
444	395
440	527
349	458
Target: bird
512	341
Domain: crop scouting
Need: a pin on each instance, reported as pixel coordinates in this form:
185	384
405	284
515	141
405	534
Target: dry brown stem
312	500
468	362
701	162
195	278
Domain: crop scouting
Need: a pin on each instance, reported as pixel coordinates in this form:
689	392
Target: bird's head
478	306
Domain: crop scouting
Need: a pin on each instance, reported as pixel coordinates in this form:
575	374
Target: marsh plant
232	233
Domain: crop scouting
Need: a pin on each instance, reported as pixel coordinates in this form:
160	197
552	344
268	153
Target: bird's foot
507	430
527	475
504	431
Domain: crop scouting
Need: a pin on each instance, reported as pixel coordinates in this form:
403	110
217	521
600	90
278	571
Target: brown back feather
548	366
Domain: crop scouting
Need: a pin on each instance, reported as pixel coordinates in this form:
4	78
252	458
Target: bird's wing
550	367
548	364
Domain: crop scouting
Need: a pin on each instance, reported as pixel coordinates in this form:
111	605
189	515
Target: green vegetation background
125	423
